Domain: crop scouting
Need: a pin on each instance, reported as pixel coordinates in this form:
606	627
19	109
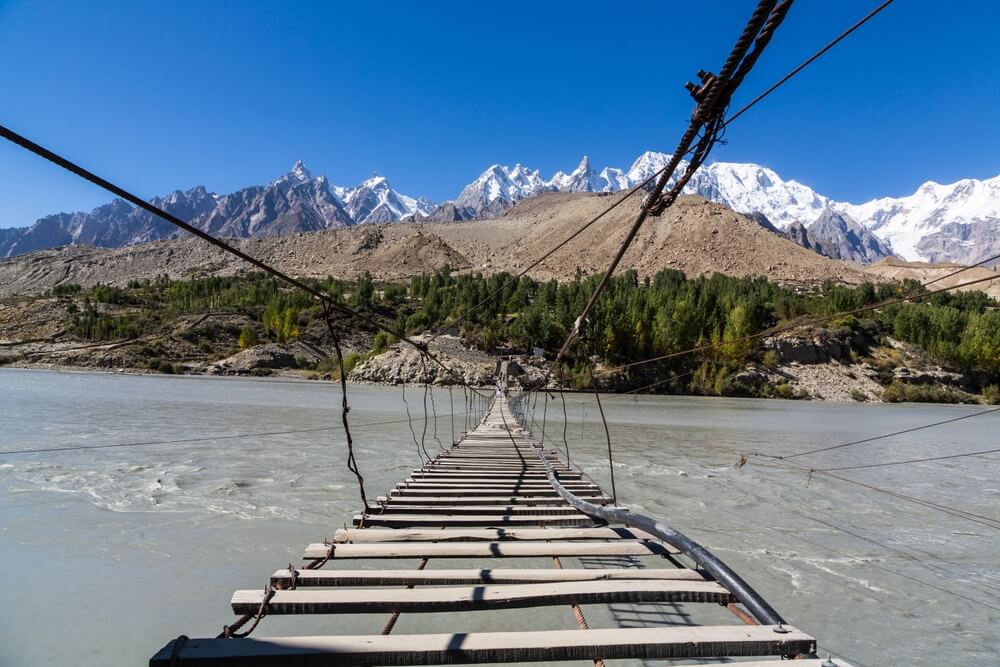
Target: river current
110	552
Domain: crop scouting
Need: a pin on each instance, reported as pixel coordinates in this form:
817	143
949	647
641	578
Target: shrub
902	392
783	390
248	337
166	367
991	394
858	395
380	343
771	360
66	289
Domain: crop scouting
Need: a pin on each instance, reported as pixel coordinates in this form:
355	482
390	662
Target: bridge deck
488	498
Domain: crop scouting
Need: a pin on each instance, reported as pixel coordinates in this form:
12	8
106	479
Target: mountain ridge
951	222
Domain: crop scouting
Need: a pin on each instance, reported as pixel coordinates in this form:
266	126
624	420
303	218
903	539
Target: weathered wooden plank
482	520
478	483
493	467
459	510
330	577
452	648
375	535
403	499
477	598
490	474
486	549
476	491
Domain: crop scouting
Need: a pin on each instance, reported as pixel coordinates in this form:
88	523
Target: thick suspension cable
808	61
712	98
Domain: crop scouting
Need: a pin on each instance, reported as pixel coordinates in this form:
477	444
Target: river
111	552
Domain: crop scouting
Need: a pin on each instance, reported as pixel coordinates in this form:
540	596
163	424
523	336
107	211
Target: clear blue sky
165	95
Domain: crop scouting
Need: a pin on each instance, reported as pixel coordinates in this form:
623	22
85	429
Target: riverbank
802	372
250	326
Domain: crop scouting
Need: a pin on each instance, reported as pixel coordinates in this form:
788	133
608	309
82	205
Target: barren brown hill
898	269
695	236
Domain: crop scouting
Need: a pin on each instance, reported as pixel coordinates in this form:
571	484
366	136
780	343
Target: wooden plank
477	598
474	491
325	577
487	549
403	499
493	467
490	474
374	535
484	520
459	510
454	648
478	483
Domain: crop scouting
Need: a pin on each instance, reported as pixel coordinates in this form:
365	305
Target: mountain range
959	222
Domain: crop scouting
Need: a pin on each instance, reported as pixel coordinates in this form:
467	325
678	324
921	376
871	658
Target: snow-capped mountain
374	201
295	202
959	222
836	234
746	188
496	189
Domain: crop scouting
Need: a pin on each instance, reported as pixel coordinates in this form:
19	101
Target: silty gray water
123	548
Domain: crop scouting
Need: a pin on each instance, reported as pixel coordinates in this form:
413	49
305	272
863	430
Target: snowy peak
297	174
957	222
374	201
928	224
497	188
750	188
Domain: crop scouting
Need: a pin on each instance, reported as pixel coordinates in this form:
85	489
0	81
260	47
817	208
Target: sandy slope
897	269
694	236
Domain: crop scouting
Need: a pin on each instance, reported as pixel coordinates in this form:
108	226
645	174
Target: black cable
416	444
178	441
562	397
503	285
884	435
607	435
910	557
907	461
423	433
352	463
983	520
807	62
434	412
451	406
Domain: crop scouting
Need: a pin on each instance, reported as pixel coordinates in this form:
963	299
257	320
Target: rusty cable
391	622
230	631
423	433
352	463
607	435
435	414
581	620
451	407
406	405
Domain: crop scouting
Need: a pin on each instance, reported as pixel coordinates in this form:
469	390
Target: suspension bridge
497	494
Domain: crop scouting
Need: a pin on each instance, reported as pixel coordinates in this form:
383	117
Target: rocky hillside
694	236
